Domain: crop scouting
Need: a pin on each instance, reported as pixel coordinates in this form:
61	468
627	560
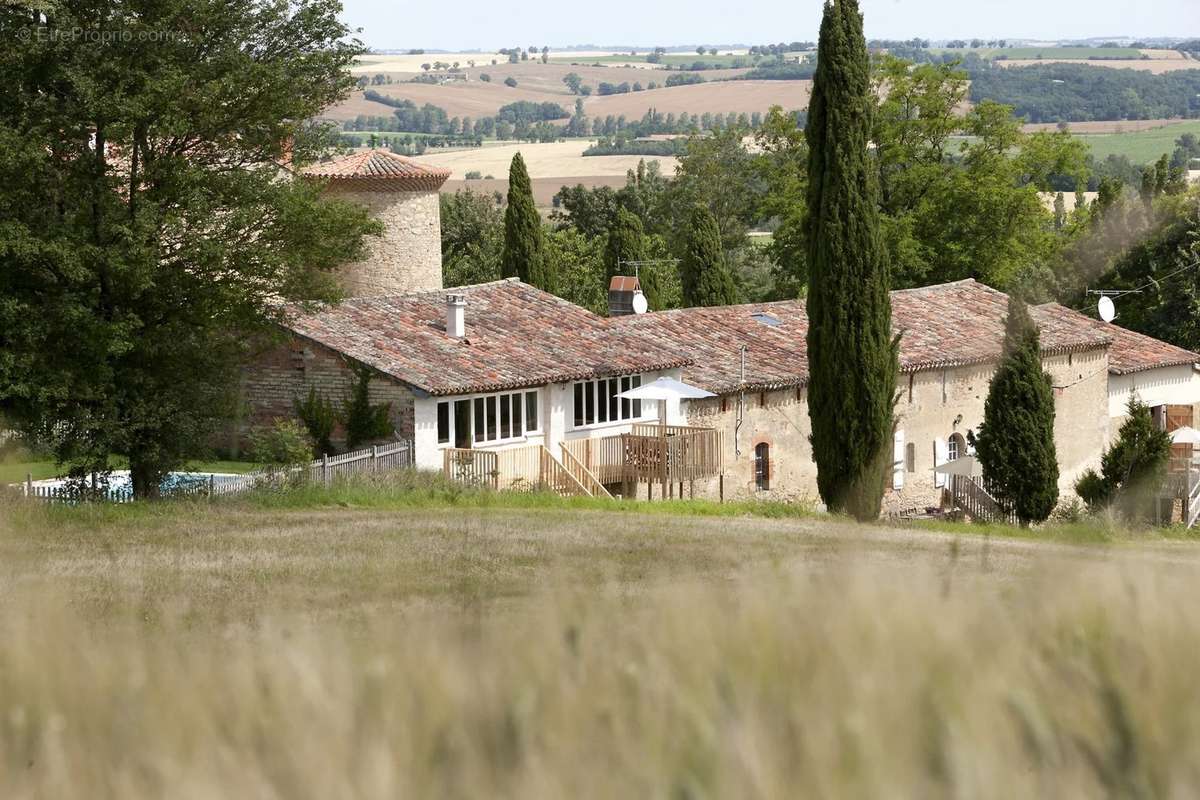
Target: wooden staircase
970	496
527	469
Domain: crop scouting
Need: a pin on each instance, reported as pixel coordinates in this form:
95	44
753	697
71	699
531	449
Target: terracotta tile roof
1136	352
378	170
948	325
517	336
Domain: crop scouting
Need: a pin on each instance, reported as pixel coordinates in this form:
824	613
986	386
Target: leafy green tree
1132	469
578	261
782	167
523	256
959	193
472	238
573	82
1160	264
147	238
852	355
1015	443
705	276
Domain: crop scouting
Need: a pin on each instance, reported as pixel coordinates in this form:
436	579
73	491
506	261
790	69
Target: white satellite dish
640	305
1108	311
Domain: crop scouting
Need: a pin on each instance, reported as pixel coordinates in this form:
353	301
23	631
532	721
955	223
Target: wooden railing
654	429
972	498
679	454
603	457
519	469
472	467
558	479
582	474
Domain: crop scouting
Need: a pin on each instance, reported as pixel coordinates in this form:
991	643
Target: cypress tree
523	256
852	355
627	242
1015	444
706	279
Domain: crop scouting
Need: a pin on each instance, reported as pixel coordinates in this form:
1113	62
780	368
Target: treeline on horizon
1039	93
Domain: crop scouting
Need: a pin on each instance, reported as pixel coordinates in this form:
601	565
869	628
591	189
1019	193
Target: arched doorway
762	467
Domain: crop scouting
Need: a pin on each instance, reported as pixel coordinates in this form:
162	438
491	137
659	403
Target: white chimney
456	315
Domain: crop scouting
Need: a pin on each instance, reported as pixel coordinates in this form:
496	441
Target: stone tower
403	195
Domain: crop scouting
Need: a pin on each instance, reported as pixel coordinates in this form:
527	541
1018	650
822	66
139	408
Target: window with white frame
488	418
597	402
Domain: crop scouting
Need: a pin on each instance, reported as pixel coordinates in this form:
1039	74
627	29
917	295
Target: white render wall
555	413
1174	386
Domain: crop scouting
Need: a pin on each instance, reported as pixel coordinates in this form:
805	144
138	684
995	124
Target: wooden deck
669	456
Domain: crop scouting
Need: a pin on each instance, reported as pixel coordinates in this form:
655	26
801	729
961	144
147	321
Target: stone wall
933	406
407	257
283	372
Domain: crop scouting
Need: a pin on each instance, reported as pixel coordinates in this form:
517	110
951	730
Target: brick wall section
272	381
407	257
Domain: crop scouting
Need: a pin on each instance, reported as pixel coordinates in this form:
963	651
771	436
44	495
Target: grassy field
1069	53
422	643
1141	147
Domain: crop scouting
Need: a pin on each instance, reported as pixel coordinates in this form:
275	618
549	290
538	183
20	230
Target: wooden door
1179	417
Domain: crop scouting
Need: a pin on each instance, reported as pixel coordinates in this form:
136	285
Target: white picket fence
381	458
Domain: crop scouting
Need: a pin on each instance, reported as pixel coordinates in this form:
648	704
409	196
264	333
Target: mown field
414	641
1140	147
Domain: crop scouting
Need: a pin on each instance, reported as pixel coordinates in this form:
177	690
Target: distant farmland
1128	53
1141	147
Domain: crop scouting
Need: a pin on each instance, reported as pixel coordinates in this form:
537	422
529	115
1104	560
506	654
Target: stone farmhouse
506	383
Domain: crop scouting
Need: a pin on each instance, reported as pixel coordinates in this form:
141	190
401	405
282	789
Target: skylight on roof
766	319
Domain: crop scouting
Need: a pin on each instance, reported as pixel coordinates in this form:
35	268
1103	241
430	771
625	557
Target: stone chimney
403	195
456	315
622	289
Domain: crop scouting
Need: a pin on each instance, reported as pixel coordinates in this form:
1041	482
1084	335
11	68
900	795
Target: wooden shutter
941	452
898	460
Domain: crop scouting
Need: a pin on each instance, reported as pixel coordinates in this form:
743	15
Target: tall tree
145	233
523	257
1132	468
705	276
1015	444
851	352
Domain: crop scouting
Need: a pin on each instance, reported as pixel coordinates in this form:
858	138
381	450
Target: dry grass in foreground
437	651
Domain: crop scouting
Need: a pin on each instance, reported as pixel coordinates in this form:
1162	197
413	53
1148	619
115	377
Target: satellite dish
1108	311
640	306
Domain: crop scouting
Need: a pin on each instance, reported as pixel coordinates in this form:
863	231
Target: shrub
364	421
283	446
483	76
320	419
1132	469
474	175
511	82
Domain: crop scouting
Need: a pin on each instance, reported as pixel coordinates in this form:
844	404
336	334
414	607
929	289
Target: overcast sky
477	24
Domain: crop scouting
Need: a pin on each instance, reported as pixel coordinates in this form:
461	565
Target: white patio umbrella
666	390
964	465
1185	435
